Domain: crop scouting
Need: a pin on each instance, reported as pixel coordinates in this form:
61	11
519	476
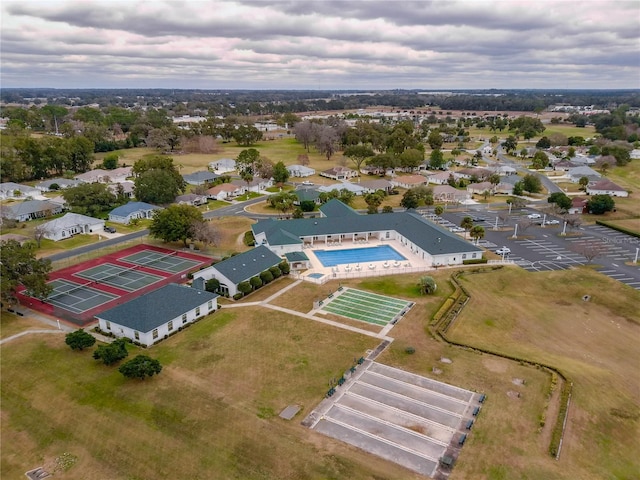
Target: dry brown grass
10	324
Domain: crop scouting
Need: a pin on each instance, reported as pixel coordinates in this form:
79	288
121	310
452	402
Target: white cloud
321	44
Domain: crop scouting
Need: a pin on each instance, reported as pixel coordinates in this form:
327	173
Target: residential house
200	178
239	268
504	170
446	193
564	165
575	174
62	183
224	165
71	224
339	173
307	195
225	191
354	188
18	191
99	175
339	222
30	210
606	187
503	188
440	178
149	318
300	171
191	199
469	173
481	188
409	181
635	154
372	186
128	188
257	185
132	210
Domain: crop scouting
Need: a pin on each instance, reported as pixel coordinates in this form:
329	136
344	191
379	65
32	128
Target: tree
358	154
544	142
531	183
79	340
477	233
305	133
19	267
327	141
112	352
212	285
246	135
280	173
427	285
494	179
110	161
176	222
141	367
256	282
583	182
436	159
411	158
466	223
599	204
283	201
439	210
410	199
518	187
90	198
39	232
561	200
205	232
510	144
435	140
590	250
245	288
540	160
373	201
157	187
266	277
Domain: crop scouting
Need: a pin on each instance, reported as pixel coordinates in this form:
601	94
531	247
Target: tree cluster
19	267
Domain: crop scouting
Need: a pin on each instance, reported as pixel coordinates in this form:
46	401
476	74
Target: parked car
503	251
478	219
552	222
534	216
109	229
307	182
456	229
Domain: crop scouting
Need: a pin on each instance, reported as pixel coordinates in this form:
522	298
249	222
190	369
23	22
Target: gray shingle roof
31	206
296	256
248	264
158	307
131	207
336	208
202	176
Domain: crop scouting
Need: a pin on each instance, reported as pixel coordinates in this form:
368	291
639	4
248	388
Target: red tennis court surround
94	288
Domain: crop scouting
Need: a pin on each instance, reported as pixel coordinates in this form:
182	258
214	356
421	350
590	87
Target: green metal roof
248	264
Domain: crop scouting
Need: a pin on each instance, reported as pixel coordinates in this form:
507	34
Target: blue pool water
316	275
331	258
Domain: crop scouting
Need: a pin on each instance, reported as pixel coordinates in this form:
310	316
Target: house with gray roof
239	268
606	187
300	171
71	224
17	190
306	195
200	178
132	210
30	210
351	187
223	165
372	186
191	199
340	223
62	183
575	174
151	317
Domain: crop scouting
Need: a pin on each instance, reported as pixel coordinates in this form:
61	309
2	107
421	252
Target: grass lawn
211	413
10	324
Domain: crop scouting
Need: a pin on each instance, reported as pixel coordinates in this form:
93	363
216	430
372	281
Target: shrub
284	267
238	296
256	282
212	285
266	277
79	340
245	287
249	240
409	350
111	353
275	271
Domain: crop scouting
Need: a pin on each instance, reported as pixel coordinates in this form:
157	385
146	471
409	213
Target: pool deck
371	269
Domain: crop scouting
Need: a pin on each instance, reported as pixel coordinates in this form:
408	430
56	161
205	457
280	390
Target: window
210	304
170	325
464	255
197	311
474	255
108	325
184	318
137	335
155	333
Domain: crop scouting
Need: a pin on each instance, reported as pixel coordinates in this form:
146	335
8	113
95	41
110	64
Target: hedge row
618	228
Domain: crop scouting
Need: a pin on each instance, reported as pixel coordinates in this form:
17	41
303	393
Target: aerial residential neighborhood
287	241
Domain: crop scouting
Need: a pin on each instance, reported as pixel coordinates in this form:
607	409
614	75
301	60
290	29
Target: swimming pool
331	258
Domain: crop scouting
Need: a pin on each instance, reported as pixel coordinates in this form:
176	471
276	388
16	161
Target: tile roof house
606	187
575	174
339	173
446	193
430	242
481	188
99	175
224	191
151	317
256	185
440	178
200	178
578	205
191	199
132	210
239	268
30	210
372	186
468	173
71	224
409	181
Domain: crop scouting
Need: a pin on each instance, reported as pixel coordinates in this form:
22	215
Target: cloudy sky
306	44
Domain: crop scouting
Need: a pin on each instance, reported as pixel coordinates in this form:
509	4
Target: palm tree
427	285
477	232
467	224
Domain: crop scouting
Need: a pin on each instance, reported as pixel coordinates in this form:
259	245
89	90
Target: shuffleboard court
75	297
124	278
166	262
366	307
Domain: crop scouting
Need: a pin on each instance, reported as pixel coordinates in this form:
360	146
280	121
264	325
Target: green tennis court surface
160	261
124	278
366	307
75	297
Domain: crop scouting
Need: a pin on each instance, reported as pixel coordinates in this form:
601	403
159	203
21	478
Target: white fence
363	273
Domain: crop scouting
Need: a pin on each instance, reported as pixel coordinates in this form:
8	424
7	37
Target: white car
552	222
503	251
534	216
307	182
456	229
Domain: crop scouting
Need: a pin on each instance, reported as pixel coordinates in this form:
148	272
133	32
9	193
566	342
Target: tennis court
166	262
77	298
129	279
366	307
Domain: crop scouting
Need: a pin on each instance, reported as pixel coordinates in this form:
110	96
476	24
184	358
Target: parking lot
540	248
